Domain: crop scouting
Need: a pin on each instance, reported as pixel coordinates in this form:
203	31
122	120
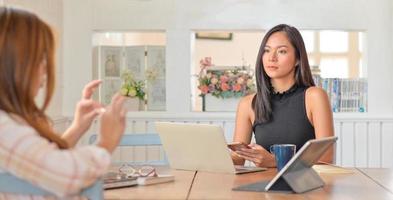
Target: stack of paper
331	169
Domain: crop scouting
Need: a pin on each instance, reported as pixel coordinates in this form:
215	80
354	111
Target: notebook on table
112	183
198	147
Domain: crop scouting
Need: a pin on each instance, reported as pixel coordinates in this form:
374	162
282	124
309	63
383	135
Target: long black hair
261	103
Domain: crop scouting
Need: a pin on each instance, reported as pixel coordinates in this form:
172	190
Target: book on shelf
345	94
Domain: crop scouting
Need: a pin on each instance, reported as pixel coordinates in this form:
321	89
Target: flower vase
215	104
133	104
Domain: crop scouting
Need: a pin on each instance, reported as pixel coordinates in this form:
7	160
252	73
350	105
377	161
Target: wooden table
361	184
383	177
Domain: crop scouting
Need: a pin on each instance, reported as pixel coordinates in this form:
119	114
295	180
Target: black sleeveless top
289	123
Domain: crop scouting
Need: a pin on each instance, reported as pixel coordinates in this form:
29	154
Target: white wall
51	11
243	47
180	17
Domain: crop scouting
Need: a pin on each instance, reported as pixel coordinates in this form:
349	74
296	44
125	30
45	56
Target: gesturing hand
258	155
85	112
86	109
113	123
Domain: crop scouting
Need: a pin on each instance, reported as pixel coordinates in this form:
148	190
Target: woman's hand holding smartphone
238	146
254	153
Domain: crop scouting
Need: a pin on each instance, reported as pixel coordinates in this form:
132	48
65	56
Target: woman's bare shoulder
247	100
315	93
245	111
245	106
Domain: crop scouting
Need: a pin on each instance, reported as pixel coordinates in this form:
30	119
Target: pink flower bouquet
224	83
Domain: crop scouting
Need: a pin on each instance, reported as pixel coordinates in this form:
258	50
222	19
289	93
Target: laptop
199	147
297	175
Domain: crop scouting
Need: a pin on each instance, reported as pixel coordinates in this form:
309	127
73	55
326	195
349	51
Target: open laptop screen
197	147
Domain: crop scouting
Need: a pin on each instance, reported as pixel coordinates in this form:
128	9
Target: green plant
131	87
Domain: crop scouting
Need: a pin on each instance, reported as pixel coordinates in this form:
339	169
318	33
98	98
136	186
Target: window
333	41
334	67
337	64
308	38
141	55
338	54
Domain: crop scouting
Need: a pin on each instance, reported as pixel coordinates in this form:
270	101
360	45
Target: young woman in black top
287	108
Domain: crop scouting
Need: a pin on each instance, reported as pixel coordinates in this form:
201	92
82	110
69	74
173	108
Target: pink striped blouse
25	154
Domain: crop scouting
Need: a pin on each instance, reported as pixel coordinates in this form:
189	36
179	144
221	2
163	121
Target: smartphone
237	146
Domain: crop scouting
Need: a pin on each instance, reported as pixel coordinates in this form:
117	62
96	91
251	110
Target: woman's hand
258	155
113	123
86	111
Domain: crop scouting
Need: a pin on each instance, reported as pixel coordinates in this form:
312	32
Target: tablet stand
303	179
299	181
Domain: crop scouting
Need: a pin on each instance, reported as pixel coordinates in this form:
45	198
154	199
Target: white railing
364	141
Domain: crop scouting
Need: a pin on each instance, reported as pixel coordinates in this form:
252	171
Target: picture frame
214	35
111	58
156	59
135	61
